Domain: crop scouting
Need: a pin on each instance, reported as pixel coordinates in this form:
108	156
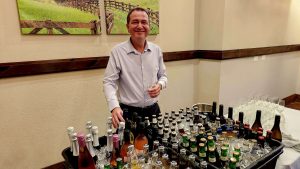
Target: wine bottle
89	144
125	145
115	152
213	114
257	122
241	125
276	132
95	131
141	139
70	131
221	114
85	160
121	131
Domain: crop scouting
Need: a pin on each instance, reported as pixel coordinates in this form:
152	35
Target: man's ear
127	26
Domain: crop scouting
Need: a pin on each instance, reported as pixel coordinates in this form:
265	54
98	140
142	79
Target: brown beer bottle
276	132
257	122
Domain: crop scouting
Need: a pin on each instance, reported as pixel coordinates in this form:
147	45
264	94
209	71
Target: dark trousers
143	112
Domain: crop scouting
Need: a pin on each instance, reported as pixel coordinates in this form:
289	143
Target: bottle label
202	154
212	160
224	158
194	149
185	144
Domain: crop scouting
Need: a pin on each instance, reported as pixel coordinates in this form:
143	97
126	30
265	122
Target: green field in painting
41	11
120	16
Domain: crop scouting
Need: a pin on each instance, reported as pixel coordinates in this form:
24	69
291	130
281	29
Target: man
135	72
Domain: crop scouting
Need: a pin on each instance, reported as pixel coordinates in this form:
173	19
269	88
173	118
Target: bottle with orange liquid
141	139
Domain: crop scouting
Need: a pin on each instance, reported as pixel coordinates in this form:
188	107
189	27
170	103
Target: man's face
138	26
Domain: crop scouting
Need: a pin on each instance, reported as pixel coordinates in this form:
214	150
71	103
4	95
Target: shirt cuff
113	104
162	84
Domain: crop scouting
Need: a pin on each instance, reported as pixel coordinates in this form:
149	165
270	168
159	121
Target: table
290	159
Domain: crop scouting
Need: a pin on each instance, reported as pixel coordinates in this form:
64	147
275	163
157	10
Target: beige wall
36	110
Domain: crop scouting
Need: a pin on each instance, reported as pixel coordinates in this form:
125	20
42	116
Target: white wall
242	79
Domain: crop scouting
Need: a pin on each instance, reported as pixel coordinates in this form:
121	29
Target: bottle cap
122	125
70	130
95	130
115	138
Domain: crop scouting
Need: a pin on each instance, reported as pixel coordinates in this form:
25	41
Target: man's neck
138	45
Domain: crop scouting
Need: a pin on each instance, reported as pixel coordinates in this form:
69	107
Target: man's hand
154	91
117	116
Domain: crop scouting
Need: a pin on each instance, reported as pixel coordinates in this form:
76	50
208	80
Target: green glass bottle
232	163
202	152
224	156
185	141
193	145
119	163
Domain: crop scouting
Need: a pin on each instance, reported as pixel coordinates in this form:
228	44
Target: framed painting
116	13
59	17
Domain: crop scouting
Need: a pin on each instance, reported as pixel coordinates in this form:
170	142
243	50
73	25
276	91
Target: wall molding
29	68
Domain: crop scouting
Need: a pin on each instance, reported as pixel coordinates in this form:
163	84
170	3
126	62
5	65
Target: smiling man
135	73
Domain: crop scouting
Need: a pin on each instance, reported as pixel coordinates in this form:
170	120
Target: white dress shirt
129	74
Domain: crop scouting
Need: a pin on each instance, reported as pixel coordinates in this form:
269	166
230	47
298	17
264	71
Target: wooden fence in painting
109	21
153	15
91	6
59	26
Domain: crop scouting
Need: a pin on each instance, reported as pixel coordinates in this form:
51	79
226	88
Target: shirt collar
131	49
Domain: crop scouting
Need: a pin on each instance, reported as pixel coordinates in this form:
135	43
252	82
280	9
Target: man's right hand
117	116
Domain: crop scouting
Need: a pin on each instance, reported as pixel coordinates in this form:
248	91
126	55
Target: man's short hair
136	9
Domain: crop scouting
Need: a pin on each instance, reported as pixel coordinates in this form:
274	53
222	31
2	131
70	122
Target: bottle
276	132
224	156
115	152
85	160
75	148
173	165
203	165
109	123
185	141
232	163
89	144
212	156
146	152
70	131
121	131
213	114
241	125
237	155
182	163
119	163
125	145
221	115
89	127
141	139
202	152
95	131
174	155
193	145
109	140
257	122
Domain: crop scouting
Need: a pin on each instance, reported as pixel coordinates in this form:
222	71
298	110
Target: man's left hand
154	91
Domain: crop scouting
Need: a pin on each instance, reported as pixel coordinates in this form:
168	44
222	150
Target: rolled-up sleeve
110	86
162	74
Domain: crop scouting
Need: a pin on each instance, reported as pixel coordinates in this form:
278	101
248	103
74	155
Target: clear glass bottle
121	132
